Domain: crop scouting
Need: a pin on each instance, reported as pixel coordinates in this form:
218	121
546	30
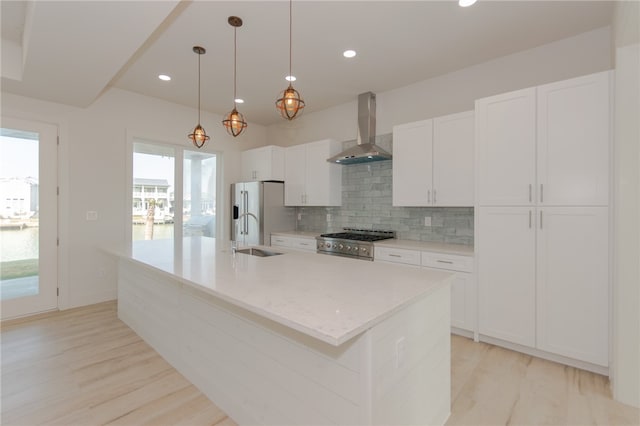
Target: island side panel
261	372
257	371
411	364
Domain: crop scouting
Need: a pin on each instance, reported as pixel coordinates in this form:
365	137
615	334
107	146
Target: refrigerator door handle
246	211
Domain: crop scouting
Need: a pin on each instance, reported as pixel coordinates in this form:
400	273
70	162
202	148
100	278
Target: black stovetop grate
361	235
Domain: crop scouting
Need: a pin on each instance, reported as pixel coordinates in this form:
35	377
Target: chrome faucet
234	242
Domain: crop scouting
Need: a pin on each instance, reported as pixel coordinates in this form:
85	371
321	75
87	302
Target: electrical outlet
91	215
401	352
299	216
328	217
427	221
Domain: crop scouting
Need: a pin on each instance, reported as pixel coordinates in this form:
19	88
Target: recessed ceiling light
164	77
290	78
466	3
349	53
239	101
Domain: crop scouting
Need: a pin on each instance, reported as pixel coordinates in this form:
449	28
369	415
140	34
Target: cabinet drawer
450	262
280	241
307	244
410	257
303	244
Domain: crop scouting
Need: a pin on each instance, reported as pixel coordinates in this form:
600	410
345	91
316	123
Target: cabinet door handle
434	196
529	219
445	261
394	255
304	244
530	192
541	193
429	196
540	219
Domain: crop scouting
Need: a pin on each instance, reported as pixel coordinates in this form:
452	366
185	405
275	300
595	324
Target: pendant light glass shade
234	122
199	136
290	104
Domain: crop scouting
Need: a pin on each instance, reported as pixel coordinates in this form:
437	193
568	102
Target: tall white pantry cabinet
542	218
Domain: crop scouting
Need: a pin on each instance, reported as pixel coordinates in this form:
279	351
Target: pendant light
234	122
290	104
199	136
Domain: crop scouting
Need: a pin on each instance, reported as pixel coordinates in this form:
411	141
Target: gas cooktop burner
356	243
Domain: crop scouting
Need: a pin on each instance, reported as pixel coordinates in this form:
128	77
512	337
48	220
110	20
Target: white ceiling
72	51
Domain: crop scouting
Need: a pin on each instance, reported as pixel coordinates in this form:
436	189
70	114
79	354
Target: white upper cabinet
295	177
453	160
433	162
412	164
573	135
309	179
506	149
264	163
546	146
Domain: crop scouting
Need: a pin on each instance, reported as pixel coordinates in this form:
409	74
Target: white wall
92	162
456	92
626	287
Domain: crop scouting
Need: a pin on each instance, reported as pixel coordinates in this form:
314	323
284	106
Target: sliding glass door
174	192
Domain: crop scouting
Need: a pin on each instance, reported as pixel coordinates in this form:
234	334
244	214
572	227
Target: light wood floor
86	367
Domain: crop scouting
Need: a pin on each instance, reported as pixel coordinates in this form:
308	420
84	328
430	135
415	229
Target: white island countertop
327	297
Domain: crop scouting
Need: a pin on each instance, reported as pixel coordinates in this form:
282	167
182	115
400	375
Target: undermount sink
258	252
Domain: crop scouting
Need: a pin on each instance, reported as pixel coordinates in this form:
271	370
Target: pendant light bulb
234	122
290	104
199	136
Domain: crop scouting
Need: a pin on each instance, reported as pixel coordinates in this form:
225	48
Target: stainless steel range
355	243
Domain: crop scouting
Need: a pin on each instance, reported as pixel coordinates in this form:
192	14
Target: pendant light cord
290	36
235	62
199	54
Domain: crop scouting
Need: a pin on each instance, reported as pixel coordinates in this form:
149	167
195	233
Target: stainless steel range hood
366	150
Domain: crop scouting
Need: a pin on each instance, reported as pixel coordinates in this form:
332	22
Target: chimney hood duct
366	151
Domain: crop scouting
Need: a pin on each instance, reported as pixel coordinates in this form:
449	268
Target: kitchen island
296	338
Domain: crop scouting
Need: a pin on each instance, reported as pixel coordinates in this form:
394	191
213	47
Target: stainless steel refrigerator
257	210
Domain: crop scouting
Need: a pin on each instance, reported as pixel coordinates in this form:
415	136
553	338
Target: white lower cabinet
572	286
464	297
543	279
506	276
463	288
296	243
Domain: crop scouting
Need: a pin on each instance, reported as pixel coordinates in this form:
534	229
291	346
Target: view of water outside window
19	210
153	192
199	189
